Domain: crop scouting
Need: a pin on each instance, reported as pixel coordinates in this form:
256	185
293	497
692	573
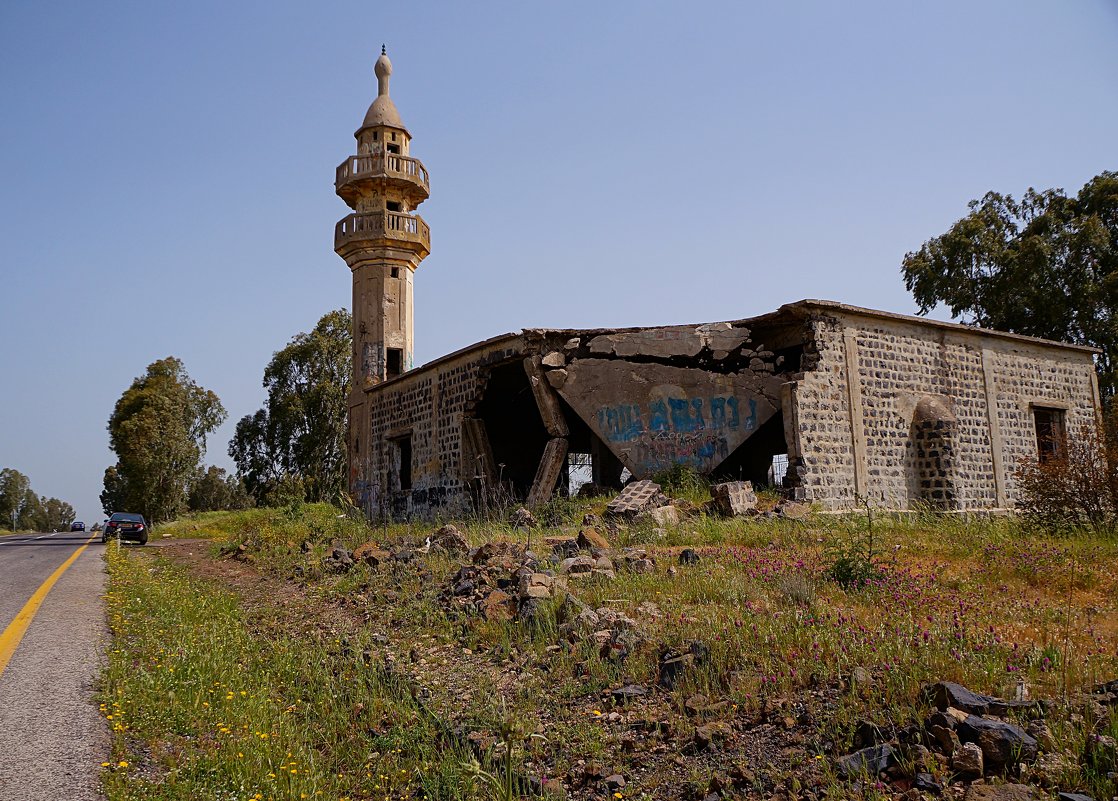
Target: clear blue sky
166	172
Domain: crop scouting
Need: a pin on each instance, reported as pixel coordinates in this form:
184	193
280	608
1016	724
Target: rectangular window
395	272
392	205
395	362
1051	433
403	453
394	149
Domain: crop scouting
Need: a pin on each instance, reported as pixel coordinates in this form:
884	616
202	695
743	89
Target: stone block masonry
896	411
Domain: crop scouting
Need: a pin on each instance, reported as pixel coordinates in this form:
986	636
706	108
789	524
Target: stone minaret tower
383	242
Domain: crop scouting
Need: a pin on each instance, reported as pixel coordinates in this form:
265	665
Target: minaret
383	242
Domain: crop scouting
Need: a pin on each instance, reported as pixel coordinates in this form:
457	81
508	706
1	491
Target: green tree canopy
1044	266
23	510
213	490
158	431
14	489
299	436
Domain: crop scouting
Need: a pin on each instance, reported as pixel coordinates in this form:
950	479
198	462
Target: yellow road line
9	640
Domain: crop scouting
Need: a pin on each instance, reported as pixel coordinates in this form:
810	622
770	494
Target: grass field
244	667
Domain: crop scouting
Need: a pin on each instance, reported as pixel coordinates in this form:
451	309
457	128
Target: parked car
126	526
77	525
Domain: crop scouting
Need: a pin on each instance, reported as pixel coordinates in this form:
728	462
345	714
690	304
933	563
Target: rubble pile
969	737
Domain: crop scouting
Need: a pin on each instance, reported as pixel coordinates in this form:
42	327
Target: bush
1074	489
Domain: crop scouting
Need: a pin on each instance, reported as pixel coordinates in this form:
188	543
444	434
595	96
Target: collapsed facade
863	406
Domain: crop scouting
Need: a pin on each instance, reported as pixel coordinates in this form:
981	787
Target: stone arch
932	433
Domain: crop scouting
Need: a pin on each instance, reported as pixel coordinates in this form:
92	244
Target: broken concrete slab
670	341
637	497
655	416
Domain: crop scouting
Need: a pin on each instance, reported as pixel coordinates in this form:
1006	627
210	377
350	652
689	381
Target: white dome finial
383	71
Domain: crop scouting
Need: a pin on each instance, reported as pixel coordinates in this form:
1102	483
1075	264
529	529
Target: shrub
1075	488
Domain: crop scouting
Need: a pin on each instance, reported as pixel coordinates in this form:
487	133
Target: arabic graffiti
669	431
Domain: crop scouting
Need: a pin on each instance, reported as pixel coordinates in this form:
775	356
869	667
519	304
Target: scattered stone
674	664
449	540
867	733
689	556
1073	797
710	735
340	560
871	761
498	605
1002	744
637	497
630	692
943	739
925	782
967	762
733	498
641	566
576	565
793	510
945	694
664	516
371	554
1002	792
1039	731
554	359
615	782
589	538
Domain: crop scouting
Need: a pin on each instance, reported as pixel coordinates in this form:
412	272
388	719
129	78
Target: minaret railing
389	165
382	225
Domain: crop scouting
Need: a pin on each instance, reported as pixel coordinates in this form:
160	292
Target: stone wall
899	412
427	406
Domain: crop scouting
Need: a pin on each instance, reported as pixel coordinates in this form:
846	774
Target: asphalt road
52	740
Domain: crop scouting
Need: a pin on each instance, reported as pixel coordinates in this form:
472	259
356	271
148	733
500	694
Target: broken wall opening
512	423
755	460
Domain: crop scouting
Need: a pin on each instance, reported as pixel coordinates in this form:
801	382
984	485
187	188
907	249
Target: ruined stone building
899	411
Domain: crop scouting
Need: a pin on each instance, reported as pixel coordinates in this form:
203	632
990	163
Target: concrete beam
546	399
552	463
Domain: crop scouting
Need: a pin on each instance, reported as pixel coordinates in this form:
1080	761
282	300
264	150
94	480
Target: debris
733	498
871	761
967	762
449	540
588	538
637	497
1002	744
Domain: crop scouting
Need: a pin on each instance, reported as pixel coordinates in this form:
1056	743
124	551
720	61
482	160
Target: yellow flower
122	764
105	764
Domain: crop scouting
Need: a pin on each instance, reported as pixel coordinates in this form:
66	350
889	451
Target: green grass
981	601
208	701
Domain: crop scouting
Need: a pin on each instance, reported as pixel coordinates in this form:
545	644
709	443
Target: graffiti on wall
678	430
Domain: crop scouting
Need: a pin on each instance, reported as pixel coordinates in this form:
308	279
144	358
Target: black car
126	526
77	525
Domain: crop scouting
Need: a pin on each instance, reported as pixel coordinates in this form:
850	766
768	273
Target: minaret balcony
385	228
357	175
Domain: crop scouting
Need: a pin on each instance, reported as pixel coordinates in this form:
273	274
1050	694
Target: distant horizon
169	174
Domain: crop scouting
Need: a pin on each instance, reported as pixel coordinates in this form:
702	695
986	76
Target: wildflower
122	764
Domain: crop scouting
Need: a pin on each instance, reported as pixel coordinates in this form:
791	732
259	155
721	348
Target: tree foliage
22	510
158	431
298	438
213	490
1044	266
